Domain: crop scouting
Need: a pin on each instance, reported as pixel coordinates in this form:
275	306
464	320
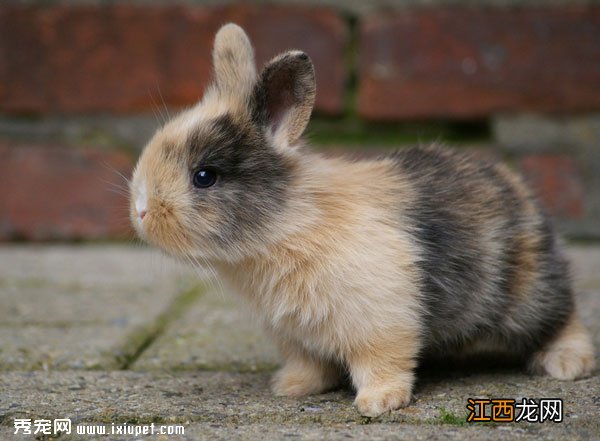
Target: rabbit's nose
141	201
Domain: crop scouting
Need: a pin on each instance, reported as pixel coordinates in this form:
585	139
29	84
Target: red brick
52	192
558	181
117	58
470	62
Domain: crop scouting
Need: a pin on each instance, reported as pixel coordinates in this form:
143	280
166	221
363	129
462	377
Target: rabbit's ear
284	96
233	59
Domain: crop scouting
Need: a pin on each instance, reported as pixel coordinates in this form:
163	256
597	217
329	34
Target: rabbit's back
490	267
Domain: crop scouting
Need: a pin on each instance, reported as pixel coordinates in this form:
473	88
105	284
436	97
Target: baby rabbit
357	268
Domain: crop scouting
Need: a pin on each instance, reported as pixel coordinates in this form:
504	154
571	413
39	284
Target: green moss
447	417
364	420
352	132
350	129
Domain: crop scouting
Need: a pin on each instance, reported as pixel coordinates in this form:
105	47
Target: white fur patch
141	200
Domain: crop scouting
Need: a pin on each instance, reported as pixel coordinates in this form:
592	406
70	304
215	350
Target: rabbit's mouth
160	227
156	221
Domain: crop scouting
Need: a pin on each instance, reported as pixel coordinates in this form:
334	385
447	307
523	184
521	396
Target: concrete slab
372	432
219	333
70	347
585	266
88	307
89	265
75	304
224	405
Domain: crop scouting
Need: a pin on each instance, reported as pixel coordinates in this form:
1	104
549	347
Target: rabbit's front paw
373	401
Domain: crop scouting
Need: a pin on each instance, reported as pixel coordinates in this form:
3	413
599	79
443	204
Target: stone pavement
121	334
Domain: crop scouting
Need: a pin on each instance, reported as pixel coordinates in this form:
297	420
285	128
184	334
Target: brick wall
79	85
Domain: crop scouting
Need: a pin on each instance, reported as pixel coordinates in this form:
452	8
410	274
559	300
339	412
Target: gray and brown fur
354	268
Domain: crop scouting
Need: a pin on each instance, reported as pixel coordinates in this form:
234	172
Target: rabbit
357	269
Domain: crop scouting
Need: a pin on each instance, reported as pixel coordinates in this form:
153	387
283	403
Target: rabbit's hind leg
567	356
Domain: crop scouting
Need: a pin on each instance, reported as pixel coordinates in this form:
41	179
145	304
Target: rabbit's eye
204	178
